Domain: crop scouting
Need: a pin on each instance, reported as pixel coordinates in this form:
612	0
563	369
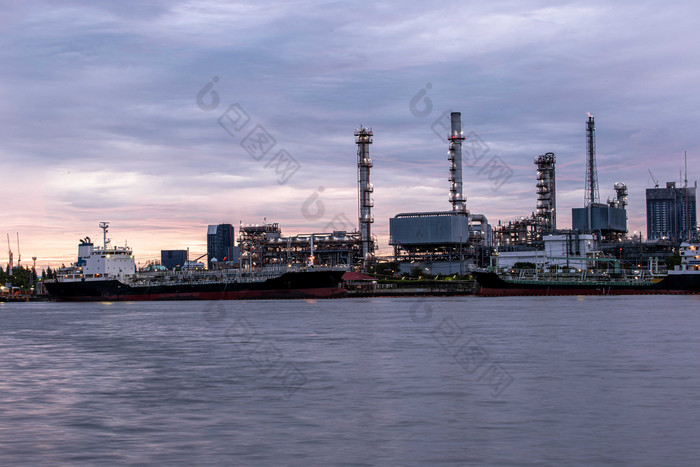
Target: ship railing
581	278
220	276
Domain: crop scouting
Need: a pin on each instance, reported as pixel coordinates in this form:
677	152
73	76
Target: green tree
673	260
386	269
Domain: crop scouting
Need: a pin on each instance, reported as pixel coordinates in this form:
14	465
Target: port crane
198	258
656	182
194	261
19	254
9	253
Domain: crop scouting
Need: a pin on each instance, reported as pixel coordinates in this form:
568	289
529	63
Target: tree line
25	277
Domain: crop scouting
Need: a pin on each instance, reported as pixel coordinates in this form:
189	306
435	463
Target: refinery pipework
363	138
546	192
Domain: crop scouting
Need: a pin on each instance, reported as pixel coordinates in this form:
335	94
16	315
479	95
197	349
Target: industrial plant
452	240
456	240
264	245
441	241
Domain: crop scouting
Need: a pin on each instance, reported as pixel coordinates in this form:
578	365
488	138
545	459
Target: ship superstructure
99	263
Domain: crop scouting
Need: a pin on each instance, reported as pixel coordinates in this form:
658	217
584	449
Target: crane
190	263
19	254
9	252
656	182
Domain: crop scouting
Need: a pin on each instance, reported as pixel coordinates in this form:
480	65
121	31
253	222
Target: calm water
446	381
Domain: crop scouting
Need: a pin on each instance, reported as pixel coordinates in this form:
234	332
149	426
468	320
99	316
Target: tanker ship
108	273
684	279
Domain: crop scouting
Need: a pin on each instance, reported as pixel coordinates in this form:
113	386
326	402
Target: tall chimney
459	202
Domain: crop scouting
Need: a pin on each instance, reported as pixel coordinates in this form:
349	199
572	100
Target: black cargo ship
685	279
302	284
109	273
492	284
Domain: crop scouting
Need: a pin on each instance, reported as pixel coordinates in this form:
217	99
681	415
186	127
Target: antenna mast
104	226
19	254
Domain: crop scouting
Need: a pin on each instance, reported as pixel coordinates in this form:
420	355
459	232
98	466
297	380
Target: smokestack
457	198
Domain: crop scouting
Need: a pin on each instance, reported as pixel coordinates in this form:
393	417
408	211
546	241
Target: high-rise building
172	259
220	247
671	213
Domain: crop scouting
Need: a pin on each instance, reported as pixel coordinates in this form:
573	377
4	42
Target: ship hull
492	285
311	284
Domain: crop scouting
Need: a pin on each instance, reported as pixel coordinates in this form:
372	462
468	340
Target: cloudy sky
165	116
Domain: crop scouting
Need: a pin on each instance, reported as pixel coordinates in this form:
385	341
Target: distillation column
546	192
621	195
459	203
363	138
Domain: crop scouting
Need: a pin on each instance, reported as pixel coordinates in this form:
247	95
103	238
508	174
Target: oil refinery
458	239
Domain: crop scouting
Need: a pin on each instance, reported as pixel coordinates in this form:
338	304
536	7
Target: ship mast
104	226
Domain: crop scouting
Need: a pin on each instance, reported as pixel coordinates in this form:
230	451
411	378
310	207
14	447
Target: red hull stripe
515	292
325	292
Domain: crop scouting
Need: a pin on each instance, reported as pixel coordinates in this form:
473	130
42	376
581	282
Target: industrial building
671	213
173	259
610	219
455	240
599	217
439	241
596	227
220	246
566	250
263	245
528	232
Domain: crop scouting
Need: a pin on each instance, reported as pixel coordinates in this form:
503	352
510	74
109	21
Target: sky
163	117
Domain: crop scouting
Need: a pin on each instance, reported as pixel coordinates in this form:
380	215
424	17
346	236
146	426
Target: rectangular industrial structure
671	213
599	217
429	229
172	259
